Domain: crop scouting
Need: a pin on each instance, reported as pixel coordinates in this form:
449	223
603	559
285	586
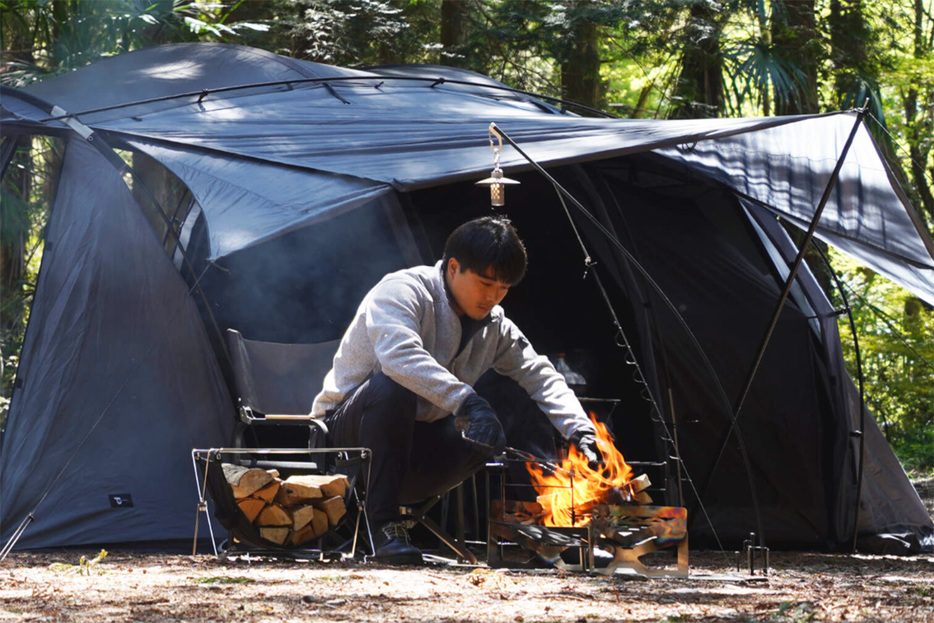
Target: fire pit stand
516	537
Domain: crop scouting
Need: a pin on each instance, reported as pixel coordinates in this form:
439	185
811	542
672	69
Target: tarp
360	126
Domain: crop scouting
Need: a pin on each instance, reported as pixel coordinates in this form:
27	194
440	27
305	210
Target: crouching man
402	382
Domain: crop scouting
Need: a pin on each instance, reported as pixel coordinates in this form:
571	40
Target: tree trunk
920	125
13	229
580	68
13	239
455	18
699	90
794	32
850	41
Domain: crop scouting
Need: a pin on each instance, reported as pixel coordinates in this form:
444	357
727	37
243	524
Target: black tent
268	194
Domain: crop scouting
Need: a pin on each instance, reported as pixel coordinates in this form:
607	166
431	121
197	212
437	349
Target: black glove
478	424
586	444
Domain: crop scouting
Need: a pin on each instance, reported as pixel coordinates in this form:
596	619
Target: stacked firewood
290	511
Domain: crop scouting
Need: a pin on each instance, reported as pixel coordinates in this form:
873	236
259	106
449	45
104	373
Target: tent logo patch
121	500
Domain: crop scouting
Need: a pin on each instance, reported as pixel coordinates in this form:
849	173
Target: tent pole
674	310
792	274
7	149
862	401
288	83
105	149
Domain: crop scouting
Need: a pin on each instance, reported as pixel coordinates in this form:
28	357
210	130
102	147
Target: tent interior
662	307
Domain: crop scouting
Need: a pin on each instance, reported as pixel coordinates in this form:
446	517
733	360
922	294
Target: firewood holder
206	463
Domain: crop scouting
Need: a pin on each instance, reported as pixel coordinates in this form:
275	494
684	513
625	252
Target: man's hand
586	444
479	425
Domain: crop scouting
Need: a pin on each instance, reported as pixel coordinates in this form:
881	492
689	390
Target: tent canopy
347	136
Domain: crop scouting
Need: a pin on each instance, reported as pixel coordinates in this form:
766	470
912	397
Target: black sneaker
393	546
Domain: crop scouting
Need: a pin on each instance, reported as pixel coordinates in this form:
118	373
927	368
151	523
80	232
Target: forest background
648	59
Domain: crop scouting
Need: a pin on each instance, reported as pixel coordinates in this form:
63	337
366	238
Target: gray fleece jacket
406	328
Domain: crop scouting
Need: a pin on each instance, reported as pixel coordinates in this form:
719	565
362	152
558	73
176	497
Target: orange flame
569	494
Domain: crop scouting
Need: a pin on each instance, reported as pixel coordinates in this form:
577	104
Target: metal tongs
531	458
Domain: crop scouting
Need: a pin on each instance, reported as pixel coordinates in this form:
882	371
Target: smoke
305	286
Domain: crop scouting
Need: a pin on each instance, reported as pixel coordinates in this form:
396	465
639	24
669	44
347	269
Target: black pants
412	460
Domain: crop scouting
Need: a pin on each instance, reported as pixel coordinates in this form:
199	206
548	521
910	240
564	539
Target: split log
288	512
300	537
273	515
302	516
320	523
334	508
276	535
250	507
268	493
318	526
640	483
297	489
328	484
245	480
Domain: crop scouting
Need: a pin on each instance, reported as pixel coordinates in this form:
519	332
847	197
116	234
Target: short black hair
488	242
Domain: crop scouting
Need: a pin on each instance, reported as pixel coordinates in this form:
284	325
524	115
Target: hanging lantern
497	182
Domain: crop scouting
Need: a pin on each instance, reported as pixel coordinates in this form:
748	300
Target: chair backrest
276	378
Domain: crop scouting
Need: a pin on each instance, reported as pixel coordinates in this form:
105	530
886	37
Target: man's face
474	294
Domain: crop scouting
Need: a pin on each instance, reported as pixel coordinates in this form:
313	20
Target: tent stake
14	539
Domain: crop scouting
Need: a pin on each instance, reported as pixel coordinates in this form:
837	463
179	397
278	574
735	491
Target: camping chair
417	514
275	385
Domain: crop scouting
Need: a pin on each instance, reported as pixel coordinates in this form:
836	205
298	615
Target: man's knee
383	391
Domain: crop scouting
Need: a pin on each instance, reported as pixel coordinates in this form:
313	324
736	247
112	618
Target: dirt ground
150	588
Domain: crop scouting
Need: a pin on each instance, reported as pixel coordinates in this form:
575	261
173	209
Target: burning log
292	511
584	509
569	493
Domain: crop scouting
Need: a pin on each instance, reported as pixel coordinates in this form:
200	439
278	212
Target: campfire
569	491
585	510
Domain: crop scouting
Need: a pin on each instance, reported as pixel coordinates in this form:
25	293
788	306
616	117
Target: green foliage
358	32
794	612
85	565
65	35
895	332
25	199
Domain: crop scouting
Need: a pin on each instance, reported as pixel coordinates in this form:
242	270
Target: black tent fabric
118	382
308	182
